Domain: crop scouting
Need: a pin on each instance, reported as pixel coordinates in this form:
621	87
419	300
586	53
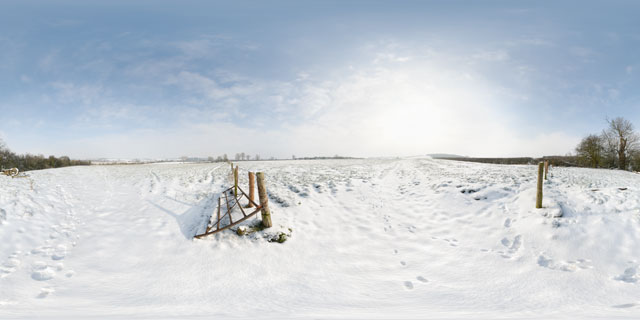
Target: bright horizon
159	79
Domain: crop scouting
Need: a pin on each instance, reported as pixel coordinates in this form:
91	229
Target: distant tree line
241	156
323	158
246	157
558	161
26	162
617	146
520	160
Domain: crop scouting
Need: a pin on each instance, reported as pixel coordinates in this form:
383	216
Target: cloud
71	93
390	57
496	55
48	62
395	100
534	41
584	53
201	47
369	111
66	23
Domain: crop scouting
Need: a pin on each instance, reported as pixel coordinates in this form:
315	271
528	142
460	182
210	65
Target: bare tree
590	151
4	154
620	135
257	157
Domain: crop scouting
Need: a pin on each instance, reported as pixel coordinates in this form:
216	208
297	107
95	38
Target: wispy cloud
430	77
495	55
71	93
48	62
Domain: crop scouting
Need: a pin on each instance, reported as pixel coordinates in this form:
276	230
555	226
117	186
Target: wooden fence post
264	201
252	189
539	193
546	168
235	181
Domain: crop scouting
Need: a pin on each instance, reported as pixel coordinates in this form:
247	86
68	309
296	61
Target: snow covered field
410	238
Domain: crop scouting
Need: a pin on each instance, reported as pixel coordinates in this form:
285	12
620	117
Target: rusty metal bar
226	201
227	226
251	200
229	208
218	227
239	206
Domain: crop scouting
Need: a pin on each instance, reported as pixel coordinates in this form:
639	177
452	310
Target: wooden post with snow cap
539	193
546	169
264	201
252	189
235	181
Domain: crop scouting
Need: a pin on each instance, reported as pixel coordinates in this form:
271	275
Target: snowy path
380	238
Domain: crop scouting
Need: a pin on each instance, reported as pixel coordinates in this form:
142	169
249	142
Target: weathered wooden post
264	201
546	168
235	181
539	193
252	189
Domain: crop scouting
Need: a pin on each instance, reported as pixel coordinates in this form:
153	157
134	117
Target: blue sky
150	79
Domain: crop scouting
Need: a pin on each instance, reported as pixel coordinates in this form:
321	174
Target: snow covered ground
409	238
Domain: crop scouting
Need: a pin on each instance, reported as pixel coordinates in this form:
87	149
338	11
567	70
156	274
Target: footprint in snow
567	266
513	246
9	266
59	253
630	275
42	272
408	285
43	275
422	279
45	292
